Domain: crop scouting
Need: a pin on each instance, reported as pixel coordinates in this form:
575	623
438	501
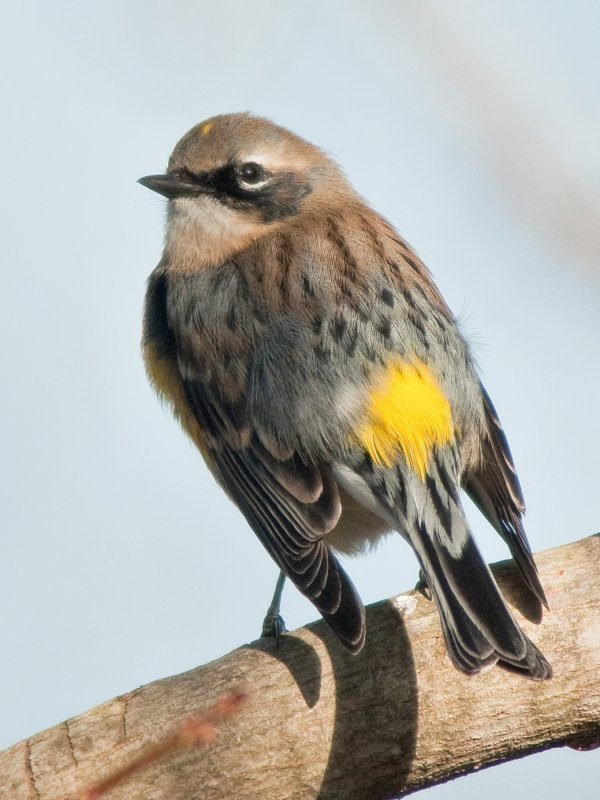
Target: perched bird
305	349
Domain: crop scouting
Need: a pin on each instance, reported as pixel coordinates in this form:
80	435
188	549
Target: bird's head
235	178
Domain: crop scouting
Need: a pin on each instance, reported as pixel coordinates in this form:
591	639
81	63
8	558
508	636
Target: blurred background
473	125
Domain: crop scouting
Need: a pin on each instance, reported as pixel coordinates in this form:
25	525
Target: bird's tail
478	627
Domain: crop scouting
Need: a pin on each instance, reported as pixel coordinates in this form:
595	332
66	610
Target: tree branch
320	723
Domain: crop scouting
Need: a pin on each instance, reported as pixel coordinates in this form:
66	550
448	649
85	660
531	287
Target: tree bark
320	723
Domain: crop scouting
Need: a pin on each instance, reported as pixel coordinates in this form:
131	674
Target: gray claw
422	586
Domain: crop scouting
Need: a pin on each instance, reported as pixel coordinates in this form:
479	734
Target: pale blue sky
473	126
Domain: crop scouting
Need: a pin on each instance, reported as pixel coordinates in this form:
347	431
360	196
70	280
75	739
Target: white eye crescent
251	174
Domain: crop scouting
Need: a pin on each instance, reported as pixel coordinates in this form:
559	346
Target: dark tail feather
478	627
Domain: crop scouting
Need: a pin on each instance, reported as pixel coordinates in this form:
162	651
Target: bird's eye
251	173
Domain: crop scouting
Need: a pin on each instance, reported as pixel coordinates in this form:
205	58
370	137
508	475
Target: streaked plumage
307	352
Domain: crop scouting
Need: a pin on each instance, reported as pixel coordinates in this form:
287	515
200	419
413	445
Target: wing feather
290	505
494	487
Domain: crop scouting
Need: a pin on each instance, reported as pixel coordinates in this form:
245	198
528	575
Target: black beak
170	185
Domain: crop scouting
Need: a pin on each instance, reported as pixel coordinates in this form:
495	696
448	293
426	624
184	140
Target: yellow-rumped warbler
307	352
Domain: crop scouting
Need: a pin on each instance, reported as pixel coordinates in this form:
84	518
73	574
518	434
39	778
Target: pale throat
201	232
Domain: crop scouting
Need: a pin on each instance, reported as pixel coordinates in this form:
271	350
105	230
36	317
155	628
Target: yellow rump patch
206	128
409	414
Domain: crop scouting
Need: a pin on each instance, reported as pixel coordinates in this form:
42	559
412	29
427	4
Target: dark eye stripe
279	195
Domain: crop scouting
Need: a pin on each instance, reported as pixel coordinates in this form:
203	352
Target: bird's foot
273	625
422	586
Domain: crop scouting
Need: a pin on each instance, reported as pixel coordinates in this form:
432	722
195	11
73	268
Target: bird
305	349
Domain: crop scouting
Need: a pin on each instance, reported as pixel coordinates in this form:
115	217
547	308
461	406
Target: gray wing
495	489
206	330
290	505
